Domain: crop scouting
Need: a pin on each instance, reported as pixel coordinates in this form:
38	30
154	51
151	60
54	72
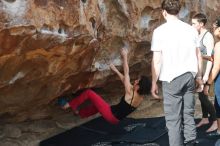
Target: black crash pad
129	132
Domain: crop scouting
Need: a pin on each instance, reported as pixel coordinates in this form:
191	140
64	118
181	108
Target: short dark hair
217	22
144	85
171	6
200	17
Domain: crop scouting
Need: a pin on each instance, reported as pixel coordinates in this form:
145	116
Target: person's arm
155	69
216	64
199	58
127	83
206	57
207	71
199	80
208	42
216	68
120	75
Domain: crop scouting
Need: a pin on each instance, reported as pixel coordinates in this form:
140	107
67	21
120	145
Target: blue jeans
217	88
217	95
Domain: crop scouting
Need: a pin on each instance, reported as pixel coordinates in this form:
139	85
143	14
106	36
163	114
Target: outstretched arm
127	83
124	78
113	68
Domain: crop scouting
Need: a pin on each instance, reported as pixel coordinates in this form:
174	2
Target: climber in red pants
134	95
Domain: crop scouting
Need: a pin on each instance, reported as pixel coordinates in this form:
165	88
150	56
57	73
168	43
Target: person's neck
202	30
171	18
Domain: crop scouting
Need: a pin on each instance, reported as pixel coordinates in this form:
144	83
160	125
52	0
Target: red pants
97	105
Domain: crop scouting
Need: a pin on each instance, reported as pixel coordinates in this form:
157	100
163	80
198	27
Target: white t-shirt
177	42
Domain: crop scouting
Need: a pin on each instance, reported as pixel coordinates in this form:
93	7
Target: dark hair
171	6
217	22
144	85
200	17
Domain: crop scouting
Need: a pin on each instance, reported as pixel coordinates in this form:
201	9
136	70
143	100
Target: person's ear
201	24
164	13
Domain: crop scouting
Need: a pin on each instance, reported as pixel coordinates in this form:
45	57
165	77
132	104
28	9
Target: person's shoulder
183	23
217	45
188	26
217	48
193	30
159	30
209	35
208	38
160	27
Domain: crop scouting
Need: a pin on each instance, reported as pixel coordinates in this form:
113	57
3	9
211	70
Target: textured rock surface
50	48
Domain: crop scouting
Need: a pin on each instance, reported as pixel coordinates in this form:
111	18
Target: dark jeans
207	107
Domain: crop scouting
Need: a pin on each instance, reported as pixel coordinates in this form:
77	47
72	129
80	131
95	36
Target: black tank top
122	109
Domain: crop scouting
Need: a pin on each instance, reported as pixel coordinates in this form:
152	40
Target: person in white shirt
176	62
206	47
